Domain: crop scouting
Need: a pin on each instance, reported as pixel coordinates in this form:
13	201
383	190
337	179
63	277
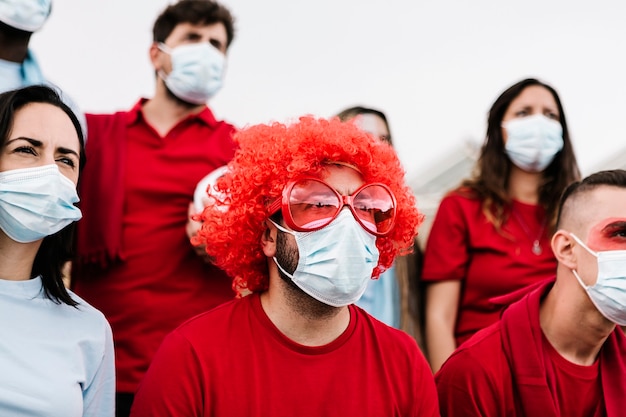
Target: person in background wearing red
135	262
313	211
491	236
557	351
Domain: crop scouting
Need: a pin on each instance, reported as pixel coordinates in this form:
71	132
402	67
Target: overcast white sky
434	67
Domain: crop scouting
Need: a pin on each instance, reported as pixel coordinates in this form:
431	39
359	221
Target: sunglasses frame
282	204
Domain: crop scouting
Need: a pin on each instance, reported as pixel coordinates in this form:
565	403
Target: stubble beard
297	300
180	102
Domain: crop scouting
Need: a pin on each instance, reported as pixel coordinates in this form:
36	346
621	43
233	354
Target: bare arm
442	304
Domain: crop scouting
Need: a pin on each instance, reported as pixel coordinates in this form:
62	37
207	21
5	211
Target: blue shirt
381	298
55	360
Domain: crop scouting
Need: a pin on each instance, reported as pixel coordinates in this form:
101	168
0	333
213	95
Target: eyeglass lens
314	204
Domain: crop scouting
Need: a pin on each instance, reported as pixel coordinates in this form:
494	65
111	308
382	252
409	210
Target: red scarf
101	190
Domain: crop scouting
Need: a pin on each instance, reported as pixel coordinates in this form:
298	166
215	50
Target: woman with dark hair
56	350
491	236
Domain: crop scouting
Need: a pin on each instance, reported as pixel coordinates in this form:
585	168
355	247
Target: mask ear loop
282	229
580	242
580	281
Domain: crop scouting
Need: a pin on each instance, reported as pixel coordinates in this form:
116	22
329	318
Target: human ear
268	239
562	245
154	53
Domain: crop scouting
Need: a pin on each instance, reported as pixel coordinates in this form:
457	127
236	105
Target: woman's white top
55	360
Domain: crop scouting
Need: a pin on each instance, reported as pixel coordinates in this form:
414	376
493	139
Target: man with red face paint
312	212
558	350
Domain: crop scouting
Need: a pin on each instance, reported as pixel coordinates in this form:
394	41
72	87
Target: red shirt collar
205	115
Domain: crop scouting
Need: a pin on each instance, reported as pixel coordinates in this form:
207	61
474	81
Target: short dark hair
195	12
56	249
614	178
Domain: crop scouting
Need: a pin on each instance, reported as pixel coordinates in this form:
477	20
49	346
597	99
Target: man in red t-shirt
558	350
305	216
135	261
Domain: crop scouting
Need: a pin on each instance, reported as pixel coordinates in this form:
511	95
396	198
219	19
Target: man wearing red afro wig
313	210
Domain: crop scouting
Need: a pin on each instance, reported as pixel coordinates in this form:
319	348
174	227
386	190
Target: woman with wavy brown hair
491	235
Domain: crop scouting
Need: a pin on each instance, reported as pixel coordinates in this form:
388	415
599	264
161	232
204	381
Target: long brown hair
490	179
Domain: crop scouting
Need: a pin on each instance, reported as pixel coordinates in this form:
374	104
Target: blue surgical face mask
197	71
608	294
336	262
26	15
36	202
533	141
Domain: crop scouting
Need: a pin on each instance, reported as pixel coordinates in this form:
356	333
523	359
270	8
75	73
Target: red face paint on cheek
609	234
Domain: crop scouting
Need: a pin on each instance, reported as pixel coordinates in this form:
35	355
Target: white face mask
26	15
608	294
197	71
336	262
36	202
533	141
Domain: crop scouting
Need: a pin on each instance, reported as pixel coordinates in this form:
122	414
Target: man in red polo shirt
558	350
135	261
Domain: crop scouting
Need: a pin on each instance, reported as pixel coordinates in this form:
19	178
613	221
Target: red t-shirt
161	282
464	245
577	388
484	377
232	361
476	381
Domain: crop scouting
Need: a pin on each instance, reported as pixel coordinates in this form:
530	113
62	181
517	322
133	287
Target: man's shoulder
214	316
395	342
106	123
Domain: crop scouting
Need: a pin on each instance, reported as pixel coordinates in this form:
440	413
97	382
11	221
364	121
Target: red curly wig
271	155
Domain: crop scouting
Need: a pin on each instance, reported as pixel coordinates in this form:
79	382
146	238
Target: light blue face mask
608	294
533	141
197	71
26	15
36	202
336	262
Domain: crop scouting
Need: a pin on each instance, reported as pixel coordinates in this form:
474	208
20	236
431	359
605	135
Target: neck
301	318
163	111
13	45
571	323
524	186
16	259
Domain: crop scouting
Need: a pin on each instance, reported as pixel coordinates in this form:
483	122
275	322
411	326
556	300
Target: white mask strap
281	268
594	253
282	229
163	47
580	281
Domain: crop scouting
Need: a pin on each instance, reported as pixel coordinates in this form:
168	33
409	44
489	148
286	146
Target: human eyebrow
616	228
217	44
67	151
34	142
